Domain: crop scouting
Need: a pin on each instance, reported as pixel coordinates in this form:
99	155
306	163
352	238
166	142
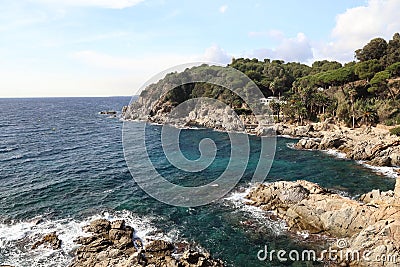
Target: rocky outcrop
114	244
372	223
50	240
108	112
372	145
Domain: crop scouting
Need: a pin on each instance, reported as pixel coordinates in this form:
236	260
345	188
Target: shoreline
313	133
372	147
28	241
370	223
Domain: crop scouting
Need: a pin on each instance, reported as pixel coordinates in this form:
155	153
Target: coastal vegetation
361	92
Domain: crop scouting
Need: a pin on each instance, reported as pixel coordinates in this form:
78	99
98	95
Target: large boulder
331	142
307	143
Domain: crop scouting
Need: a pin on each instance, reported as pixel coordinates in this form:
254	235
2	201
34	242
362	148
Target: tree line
361	92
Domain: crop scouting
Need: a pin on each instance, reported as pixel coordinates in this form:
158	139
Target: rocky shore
113	243
373	145
369	225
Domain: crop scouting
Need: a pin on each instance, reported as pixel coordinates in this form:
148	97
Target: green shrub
395	131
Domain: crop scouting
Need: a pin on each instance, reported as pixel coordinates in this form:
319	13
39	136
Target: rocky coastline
113	243
372	145
369	225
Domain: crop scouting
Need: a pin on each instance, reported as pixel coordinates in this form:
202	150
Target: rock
195	259
122	238
112	244
98	226
85	240
395	158
108	112
303	130
295	195
397	188
97	245
118	224
381	161
329	142
307	143
158	250
49	240
371	225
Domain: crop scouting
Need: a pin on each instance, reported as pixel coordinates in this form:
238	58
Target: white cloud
223	8
99	74
290	49
114	4
276	34
357	26
216	54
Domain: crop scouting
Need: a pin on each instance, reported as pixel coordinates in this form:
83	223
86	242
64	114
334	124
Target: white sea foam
16	239
391	172
335	153
287	136
290	145
238	199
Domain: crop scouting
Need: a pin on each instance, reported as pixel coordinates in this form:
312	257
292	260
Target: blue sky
112	47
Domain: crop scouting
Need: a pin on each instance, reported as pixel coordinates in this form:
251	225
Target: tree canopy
355	93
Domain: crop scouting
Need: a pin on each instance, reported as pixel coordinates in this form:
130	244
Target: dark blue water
63	162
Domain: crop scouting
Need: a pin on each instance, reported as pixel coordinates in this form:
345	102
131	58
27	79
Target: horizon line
75	96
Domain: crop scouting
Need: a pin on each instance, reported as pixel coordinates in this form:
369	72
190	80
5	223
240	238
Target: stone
112	244
50	240
381	161
371	223
397	188
98	226
118	224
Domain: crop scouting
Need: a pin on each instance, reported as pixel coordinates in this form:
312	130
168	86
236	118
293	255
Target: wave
335	153
287	136
16	238
392	172
290	145
240	203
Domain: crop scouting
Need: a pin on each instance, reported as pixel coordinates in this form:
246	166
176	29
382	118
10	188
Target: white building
268	100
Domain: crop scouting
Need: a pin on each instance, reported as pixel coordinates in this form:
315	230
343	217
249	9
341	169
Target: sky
53	48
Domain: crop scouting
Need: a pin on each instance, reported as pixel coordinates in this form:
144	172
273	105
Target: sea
62	165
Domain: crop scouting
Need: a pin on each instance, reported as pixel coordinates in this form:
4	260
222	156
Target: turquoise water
63	162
